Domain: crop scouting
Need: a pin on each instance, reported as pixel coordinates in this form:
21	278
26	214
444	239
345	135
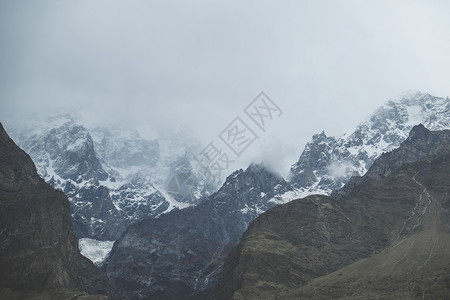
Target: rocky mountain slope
113	177
386	237
180	254
39	255
327	162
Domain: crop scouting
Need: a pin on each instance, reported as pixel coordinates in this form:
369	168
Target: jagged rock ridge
327	163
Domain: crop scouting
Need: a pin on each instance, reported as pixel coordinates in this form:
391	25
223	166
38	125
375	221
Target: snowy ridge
327	163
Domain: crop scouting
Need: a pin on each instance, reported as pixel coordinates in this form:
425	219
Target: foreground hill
39	257
386	237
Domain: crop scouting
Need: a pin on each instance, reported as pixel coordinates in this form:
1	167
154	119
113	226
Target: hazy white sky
327	64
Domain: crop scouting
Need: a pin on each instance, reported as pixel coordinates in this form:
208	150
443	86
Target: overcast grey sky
327	64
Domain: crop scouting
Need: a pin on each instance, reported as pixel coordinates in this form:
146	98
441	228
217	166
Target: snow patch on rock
97	251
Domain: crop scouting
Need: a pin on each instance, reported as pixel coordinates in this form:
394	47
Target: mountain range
327	162
191	271
172	241
112	176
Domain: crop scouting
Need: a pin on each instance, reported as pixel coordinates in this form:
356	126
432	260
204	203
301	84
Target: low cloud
338	170
159	64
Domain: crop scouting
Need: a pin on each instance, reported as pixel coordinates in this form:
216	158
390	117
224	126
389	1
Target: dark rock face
386	237
180	254
316	156
39	254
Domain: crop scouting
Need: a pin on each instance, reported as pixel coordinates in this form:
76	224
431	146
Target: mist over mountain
152	196
114	176
162	210
194	150
205	234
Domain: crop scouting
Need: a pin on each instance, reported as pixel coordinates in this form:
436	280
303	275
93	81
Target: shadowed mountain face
180	254
387	237
39	254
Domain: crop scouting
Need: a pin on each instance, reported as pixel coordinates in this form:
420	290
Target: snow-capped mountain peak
113	176
327	163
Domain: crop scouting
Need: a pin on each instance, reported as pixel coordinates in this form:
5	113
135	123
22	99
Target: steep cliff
39	255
